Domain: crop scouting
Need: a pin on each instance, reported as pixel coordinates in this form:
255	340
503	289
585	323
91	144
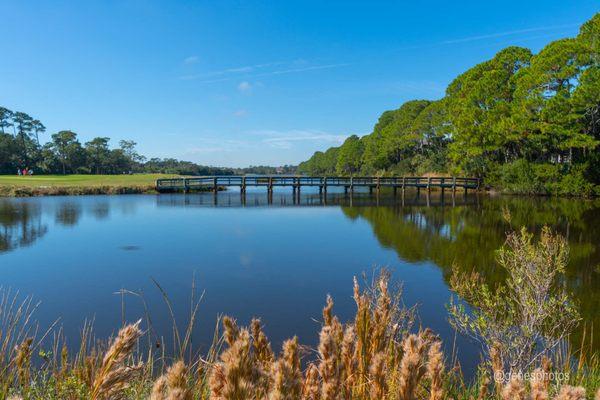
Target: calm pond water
275	260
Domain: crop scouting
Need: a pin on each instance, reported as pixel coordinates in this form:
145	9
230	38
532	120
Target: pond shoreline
43	191
112	189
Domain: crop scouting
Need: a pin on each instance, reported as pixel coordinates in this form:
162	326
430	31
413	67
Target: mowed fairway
80	180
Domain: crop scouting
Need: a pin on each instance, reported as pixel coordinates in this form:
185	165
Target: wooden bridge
215	183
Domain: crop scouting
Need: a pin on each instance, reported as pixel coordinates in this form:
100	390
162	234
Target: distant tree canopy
64	154
523	122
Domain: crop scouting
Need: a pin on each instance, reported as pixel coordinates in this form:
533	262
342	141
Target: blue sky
256	82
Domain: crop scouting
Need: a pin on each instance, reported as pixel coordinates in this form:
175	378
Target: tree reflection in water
20	224
468	237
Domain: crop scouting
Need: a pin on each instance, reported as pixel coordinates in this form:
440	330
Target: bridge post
186	186
298	187
351	185
428	184
215	187
453	185
270	185
243	187
378	184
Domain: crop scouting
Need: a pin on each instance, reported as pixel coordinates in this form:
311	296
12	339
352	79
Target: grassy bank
52	185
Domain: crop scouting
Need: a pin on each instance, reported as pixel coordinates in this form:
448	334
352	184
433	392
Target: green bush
522	177
573	183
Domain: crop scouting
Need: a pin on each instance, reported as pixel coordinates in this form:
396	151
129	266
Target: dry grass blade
435	369
113	375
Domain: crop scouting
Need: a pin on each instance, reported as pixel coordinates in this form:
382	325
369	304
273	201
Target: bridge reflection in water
309	198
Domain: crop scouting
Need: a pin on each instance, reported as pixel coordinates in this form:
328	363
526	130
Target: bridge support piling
215	187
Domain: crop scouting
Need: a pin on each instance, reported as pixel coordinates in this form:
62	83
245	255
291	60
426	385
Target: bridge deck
296	182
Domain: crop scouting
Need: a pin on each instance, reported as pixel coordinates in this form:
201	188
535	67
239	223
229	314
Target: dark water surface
276	260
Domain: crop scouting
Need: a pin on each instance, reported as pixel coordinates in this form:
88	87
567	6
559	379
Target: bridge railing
186	183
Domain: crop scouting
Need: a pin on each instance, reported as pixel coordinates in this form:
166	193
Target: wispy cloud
254	71
244	87
214	75
507	33
290	145
191	60
286	139
303	69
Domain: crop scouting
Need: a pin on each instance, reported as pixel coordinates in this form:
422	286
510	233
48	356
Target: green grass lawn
80	180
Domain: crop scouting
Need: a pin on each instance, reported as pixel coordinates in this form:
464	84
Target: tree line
63	153
524	122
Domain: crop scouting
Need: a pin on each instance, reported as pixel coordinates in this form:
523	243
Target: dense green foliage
20	148
525	123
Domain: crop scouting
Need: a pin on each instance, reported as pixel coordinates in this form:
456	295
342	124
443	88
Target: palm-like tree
5	118
38	128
